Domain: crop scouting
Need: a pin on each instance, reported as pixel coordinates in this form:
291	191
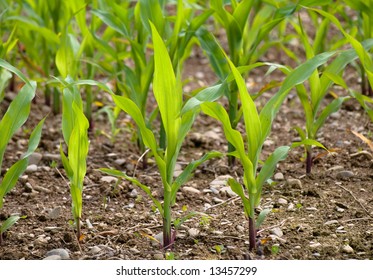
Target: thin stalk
167	239
308	160
47	94
56	101
252	234
252	229
78	228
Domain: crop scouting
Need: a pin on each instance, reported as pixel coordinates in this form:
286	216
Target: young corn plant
320	82
256	129
168	94
13	119
75	133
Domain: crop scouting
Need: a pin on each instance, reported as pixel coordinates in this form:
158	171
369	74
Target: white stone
278	176
191	190
282	201
31	168
193	232
347	249
109	179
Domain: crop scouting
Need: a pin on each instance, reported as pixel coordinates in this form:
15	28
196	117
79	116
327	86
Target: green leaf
5	76
65	58
16	116
332	107
234	137
14	70
296	77
34	139
66	164
112	21
237	188
269	167
209	94
308	142
11	177
168	94
8	223
78	148
261	217
250	115
148	137
187	172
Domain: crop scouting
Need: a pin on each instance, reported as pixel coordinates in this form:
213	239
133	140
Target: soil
325	215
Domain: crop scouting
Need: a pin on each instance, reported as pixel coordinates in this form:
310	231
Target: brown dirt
123	223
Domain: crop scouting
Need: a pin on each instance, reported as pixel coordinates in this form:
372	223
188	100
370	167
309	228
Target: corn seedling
75	133
13	119
256	131
168	94
320	83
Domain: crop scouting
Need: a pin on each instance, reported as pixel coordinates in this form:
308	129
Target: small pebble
109	179
120	161
315	245
311	209
347	249
228	191
64	254
193	232
94	250
277	231
331	222
217	200
220	181
294	183
191	190
158	256
31	168
282	201
135	251
240	228
53	258
345	175
278	176
133	193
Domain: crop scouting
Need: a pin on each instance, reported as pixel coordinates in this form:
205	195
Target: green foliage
168	94
75	132
256	133
13	119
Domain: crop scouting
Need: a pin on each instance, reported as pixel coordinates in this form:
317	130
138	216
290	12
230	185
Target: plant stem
167	240
252	234
309	161
78	228
56	101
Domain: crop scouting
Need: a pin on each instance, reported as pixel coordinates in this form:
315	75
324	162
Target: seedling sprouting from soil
168	94
75	133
